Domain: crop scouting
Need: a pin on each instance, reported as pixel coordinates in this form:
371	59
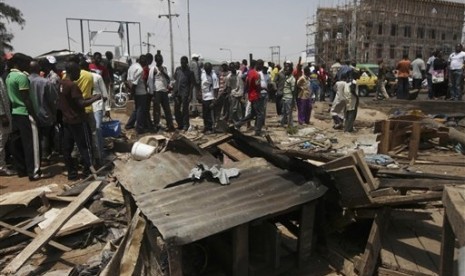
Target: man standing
209	84
25	147
253	94
139	91
418	74
287	87
182	93
161	86
221	102
429	72
44	97
101	108
381	92
100	68
403	72
5	123
72	103
197	92
304	104
235	84
456	75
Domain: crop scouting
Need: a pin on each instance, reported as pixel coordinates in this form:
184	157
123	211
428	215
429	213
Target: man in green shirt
25	136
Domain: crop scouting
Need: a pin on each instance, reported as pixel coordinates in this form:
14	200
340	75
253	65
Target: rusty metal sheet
160	170
192	211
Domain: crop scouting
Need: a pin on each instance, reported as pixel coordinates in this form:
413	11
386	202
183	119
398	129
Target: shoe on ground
39	176
7	172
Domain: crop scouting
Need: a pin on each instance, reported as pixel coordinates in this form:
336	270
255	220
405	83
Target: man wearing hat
196	93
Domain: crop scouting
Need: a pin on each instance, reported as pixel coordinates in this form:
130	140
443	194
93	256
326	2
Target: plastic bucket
141	151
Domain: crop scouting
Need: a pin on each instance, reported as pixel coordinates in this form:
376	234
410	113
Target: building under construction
367	30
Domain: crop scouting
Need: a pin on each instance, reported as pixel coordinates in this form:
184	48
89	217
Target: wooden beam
218	140
406	199
359	157
385	137
367	264
414	142
420	175
304	242
175	260
45	236
33	235
417	183
240	244
446	266
233	152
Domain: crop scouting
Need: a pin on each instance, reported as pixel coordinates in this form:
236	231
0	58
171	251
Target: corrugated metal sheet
155	173
189	212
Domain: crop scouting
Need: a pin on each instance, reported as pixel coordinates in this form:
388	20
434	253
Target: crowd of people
45	112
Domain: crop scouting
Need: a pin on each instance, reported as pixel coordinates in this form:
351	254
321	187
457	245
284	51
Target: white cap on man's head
195	56
287	62
51	59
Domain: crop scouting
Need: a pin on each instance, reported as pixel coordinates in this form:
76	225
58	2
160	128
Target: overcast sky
243	26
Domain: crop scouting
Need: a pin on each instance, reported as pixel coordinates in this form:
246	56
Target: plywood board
81	220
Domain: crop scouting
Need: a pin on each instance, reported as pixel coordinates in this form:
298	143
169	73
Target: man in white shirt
139	91
418	72
209	83
159	82
456	75
100	108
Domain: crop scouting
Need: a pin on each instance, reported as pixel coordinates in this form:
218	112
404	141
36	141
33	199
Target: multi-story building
368	30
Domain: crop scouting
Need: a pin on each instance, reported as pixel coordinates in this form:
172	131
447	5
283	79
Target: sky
239	26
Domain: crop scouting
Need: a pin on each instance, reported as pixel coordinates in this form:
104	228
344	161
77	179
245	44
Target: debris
203	171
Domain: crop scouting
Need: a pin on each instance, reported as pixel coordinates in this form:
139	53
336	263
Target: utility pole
275	51
189	29
148	42
169	16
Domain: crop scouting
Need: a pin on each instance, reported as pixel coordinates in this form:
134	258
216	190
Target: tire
363	91
120	99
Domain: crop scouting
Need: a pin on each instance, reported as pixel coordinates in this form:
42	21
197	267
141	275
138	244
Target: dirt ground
320	131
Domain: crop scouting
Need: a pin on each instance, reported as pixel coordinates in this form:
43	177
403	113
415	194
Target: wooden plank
33	235
389	272
385	137
417	183
370	256
419	175
359	157
45	236
340	263
304	242
233	152
83	219
339	163
218	140
132	250
384	192
406	199
240	244
454	205
350	186
414	141
397	214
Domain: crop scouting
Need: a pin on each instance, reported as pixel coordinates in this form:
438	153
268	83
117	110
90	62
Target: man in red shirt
403	72
253	87
98	67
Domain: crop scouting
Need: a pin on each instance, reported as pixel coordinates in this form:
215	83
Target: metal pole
171	38
82	37
127	40
189	28
67	34
148	42
140	39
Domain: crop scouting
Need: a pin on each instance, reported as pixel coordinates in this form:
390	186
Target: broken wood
233	152
454	134
45	236
33	235
417	183
218	140
414	141
240	247
367	264
420	175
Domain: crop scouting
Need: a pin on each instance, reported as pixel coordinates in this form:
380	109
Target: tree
8	14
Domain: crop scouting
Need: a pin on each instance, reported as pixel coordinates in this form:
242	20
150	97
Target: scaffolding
367	30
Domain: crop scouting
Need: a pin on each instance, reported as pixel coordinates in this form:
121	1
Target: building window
432	34
393	30
420	32
379	51
407	31
405	51
380	29
392	51
419	51
455	37
443	36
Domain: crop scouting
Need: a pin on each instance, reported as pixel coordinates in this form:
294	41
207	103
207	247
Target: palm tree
8	14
